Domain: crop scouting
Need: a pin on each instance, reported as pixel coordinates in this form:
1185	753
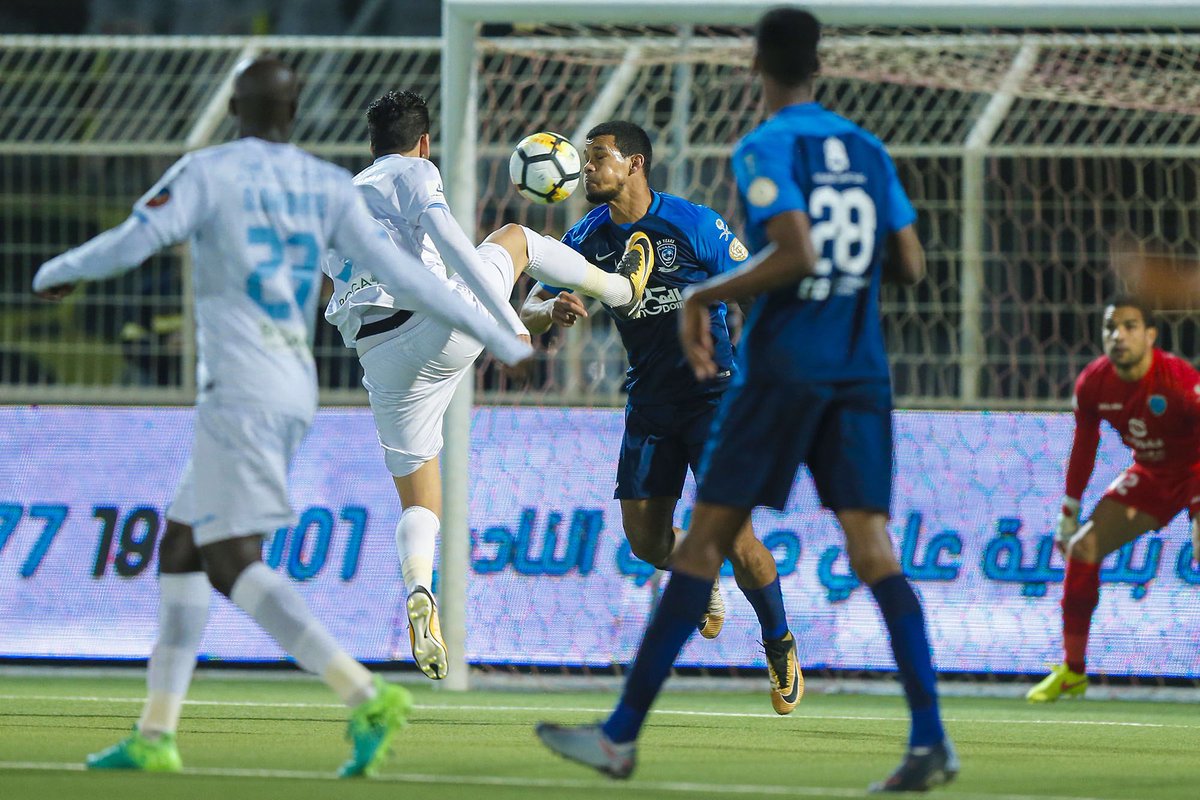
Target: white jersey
398	190
259	216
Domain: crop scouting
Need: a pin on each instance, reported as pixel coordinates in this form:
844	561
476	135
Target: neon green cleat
139	752
372	726
1061	682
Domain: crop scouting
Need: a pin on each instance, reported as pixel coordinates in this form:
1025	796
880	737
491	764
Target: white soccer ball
545	167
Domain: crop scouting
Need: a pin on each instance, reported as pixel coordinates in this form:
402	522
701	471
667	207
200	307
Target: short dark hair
630	138
786	40
1129	301
396	121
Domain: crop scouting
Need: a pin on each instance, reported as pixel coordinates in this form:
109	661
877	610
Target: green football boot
139	752
1061	682
372	726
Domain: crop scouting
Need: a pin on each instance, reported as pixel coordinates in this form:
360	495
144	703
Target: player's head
398	122
785	46
1129	332
617	154
265	92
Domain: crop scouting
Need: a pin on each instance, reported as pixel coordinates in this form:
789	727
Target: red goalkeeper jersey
1158	416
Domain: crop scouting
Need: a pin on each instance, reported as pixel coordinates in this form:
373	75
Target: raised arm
164	215
113	252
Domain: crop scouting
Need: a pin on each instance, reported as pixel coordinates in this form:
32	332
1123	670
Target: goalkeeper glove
1068	522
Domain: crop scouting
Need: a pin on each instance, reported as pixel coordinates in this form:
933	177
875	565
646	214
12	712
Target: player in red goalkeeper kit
1152	399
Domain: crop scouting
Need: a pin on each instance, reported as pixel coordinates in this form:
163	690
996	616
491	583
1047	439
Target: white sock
182	614
555	264
281	611
349	679
416	542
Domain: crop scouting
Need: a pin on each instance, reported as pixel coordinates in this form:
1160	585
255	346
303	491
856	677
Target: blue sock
675	620
906	627
768	605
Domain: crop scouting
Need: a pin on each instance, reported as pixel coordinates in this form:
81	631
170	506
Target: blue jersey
691	244
827	328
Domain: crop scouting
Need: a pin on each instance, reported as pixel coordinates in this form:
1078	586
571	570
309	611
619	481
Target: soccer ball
545	167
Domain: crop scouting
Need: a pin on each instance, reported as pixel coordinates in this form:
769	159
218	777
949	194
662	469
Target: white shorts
235	483
411	377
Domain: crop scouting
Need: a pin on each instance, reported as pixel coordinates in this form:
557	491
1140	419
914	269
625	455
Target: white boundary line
649	787
883	686
588	710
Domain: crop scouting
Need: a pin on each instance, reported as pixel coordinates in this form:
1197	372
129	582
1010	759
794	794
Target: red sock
1081	593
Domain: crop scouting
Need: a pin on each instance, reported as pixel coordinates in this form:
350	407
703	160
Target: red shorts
1160	493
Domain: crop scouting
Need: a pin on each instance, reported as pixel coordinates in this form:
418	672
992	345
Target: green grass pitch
263	739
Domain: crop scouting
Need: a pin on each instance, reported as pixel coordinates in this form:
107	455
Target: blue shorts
661	442
764	432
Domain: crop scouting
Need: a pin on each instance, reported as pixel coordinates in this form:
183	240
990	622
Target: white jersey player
259	214
411	362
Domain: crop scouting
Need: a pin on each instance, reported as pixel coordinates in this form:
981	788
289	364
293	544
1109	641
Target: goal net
1034	155
1031	156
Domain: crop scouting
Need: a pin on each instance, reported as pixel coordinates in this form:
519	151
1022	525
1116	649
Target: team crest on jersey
667	252
738	251
159	199
1158	404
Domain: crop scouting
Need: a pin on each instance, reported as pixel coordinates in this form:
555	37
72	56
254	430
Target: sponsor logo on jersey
658	300
762	192
667	251
436	194
1147	449
836	157
724	231
361	282
1158	404
1105	406
159	199
738	251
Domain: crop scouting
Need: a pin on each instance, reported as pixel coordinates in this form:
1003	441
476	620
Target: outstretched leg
236	570
555	264
610	747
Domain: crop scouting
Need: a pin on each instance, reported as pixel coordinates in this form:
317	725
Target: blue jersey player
825	210
670	411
